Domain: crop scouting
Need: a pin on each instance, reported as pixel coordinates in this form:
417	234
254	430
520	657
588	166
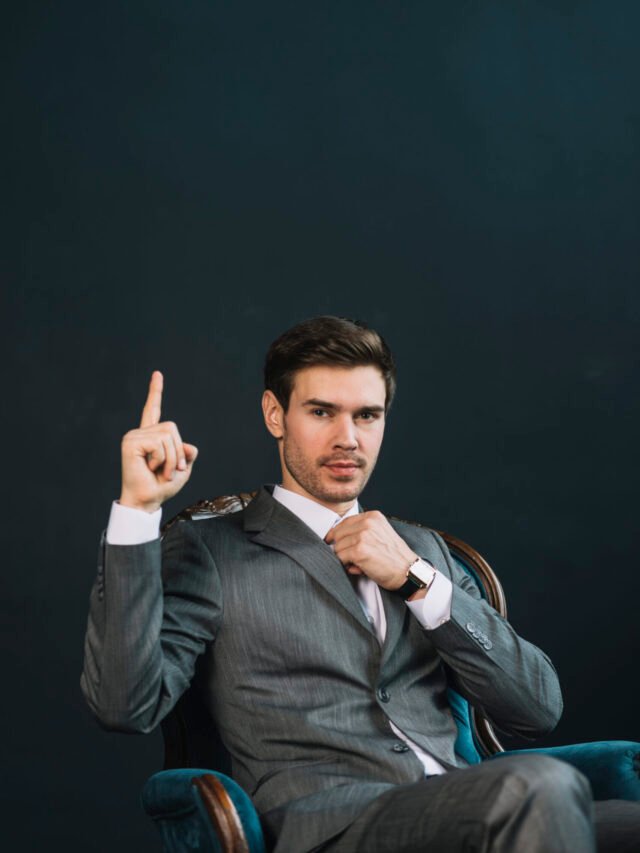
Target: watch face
423	571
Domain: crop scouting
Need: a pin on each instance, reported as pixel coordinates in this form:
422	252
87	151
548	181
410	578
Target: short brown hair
330	341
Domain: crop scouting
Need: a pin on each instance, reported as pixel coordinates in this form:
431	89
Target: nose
346	436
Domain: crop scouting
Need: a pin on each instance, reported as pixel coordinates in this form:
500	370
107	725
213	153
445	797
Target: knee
552	779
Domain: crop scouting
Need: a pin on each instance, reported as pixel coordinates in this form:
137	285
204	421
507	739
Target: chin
340	494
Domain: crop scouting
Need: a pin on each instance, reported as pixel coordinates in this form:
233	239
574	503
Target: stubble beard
308	474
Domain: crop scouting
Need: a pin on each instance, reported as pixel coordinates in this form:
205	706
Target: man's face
331	433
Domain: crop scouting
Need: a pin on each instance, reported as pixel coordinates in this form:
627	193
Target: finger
153	404
348	540
334	532
349	555
153	450
190	452
171	456
347	525
354	570
156	458
181	463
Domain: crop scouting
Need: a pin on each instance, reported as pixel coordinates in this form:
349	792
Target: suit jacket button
488	644
383	696
400	747
470	627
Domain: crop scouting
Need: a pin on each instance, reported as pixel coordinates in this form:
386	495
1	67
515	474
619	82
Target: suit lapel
396	613
271	524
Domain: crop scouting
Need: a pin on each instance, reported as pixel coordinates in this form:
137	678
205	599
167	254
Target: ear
273	414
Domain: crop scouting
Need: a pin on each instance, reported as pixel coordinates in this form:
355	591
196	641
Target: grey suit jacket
294	675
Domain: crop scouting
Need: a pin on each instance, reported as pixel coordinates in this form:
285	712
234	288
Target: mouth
342	469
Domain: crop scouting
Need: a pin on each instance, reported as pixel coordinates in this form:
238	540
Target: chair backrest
191	738
483	737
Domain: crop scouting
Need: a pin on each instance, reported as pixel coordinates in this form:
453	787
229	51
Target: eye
369	416
319	411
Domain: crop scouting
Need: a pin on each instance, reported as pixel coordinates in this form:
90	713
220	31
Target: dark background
185	180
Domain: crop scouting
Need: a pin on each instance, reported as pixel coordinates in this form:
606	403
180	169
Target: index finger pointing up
151	411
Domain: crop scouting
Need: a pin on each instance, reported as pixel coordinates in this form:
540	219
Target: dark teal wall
185	180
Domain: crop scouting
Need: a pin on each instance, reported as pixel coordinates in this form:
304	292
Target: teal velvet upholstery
169	798
611	766
465	745
175	805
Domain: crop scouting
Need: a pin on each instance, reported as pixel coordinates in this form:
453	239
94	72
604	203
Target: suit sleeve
153	609
508	679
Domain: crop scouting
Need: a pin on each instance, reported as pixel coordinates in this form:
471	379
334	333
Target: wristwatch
420	575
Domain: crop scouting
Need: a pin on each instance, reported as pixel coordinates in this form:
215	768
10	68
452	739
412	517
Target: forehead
345	386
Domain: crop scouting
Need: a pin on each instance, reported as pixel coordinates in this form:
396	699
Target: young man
330	635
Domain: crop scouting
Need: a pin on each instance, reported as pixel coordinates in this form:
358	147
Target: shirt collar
319	518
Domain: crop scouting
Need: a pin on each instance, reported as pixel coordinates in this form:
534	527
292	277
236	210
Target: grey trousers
516	804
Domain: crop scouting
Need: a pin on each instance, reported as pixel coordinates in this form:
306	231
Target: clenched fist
366	544
156	463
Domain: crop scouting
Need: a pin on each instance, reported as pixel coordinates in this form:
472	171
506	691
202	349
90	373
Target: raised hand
156	463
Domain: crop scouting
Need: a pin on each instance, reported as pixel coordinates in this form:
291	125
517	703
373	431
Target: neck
340	507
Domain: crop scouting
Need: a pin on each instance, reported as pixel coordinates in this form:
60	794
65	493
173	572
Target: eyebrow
325	404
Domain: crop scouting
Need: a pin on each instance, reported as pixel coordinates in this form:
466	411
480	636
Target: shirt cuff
129	526
435	608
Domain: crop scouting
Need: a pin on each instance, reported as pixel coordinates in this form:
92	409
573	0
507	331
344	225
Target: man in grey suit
326	635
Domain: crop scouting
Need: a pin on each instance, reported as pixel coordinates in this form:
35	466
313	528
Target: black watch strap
413	583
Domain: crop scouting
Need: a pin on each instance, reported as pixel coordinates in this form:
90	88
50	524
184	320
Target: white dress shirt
128	526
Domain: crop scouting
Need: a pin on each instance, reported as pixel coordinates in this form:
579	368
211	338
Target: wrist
418	580
421	593
150	507
400	577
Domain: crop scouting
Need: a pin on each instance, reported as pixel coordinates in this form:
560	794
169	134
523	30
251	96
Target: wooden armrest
222	812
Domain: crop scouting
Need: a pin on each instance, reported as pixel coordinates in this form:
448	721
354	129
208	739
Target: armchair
195	808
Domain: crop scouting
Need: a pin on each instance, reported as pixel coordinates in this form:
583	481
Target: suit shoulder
413	526
207	517
415	531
